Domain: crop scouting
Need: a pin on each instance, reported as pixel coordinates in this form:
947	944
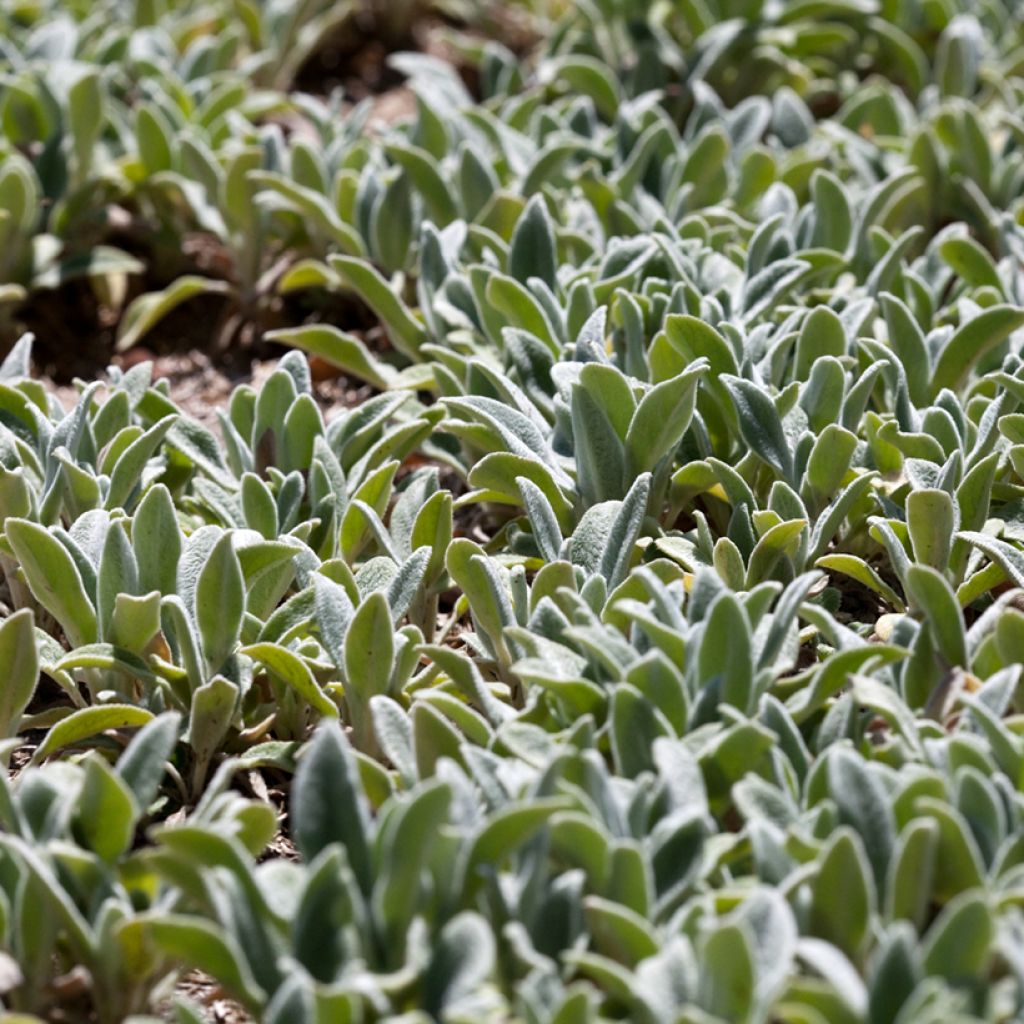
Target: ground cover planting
637	632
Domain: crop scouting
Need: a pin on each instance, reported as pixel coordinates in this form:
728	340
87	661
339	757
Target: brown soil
355	57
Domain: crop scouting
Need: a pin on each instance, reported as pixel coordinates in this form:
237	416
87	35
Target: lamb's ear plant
75	888
639	636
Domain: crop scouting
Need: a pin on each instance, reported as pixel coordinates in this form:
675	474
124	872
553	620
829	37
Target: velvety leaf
970	342
148	310
19	656
88	722
220	601
53	578
328	805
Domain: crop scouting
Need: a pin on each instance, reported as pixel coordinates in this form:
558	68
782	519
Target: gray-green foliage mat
648	646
